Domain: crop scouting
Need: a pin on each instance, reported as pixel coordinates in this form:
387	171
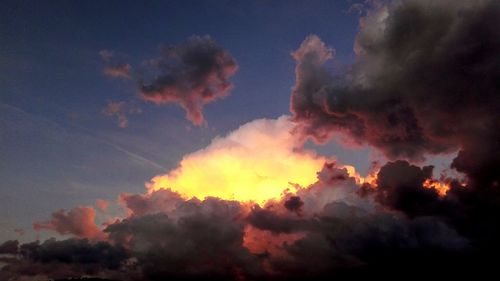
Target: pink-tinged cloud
118	71
79	222
114	66
19	231
163	200
425	81
191	74
121	110
102	205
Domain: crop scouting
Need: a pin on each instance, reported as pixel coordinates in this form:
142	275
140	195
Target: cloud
293	203
120	110
400	187
256	162
79	222
425	81
332	230
162	200
197	239
115	67
102	205
9	247
62	259
192	74
345	235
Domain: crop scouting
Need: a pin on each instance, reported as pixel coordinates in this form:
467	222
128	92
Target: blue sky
57	148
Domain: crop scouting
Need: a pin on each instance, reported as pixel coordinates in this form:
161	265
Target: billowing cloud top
426	80
256	162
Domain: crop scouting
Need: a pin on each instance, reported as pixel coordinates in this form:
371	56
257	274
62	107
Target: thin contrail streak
89	133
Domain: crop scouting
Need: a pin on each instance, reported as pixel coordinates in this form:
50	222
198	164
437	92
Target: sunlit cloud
256	162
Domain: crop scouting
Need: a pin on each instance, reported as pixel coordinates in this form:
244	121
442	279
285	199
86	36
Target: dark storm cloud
196	239
9	247
400	187
193	240
191	74
347	238
337	233
426	80
74	251
293	203
67	258
268	220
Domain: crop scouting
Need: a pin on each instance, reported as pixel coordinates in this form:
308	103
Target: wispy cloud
115	66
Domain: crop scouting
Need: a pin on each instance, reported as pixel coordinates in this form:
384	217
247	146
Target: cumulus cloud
400	187
258	161
79	222
425	81
162	200
326	230
196	239
342	232
191	74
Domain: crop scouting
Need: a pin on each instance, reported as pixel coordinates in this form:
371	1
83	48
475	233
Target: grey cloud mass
426	80
191	74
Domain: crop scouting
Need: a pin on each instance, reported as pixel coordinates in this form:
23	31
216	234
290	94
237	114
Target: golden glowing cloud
441	187
371	178
254	163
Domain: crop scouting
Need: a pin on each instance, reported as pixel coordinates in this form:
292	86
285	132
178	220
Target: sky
249	140
58	147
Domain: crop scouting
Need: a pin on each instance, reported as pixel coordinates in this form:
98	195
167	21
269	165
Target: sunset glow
441	187
249	140
256	163
370	178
